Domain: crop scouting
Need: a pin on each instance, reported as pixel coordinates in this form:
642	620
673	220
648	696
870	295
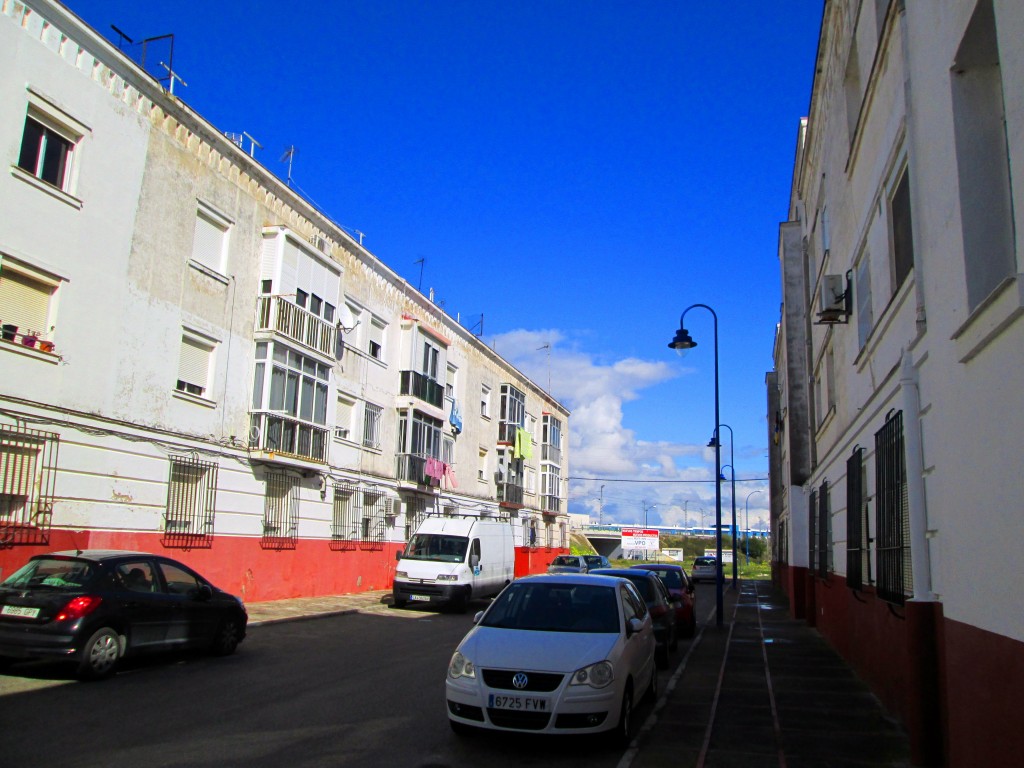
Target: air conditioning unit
834	299
341	433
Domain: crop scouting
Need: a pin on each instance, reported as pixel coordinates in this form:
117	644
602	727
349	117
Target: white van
450	560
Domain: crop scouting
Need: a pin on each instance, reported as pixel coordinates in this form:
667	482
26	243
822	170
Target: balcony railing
275	313
274	433
509	493
551	453
410	467
550	503
507	431
416	384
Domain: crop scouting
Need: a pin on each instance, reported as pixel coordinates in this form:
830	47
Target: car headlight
597	675
447	577
401	574
460	666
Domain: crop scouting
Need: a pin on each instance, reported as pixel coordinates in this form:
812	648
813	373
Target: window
892	514
813	554
298	383
853	91
27	304
431	355
550	485
343	418
371	425
481	467
191	500
49	143
344	519
28	468
512	412
857	549
376	339
194	364
416	513
823	529
902	231
375	504
551	439
862	294
485	401
280	511
210	239
179	581
982	158
449	382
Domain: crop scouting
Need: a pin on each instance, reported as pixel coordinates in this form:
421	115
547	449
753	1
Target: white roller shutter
208	242
194	365
24	302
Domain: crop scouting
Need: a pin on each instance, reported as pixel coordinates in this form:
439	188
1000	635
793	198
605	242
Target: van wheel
398	602
461	603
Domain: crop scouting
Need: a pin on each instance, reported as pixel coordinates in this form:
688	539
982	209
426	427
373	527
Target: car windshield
593	559
51	573
549	607
436	546
565	560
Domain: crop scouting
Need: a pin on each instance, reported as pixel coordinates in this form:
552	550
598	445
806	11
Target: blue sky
578	173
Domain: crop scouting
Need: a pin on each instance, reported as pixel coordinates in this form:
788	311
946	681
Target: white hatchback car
555	654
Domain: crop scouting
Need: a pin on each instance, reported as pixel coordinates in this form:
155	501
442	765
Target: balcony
416	384
422	469
551	453
276	434
510	494
277	314
550	504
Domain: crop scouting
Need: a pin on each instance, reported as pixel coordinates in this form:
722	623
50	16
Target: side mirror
202	593
479	615
633	626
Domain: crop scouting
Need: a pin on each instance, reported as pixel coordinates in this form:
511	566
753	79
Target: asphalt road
357	690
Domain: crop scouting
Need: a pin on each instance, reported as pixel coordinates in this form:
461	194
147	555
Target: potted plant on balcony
30	338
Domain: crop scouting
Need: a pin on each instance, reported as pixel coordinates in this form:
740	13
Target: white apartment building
197	361
896	401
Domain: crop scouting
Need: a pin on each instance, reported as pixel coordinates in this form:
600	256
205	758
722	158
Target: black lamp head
682	340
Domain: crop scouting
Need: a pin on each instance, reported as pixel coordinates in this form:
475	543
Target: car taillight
78	607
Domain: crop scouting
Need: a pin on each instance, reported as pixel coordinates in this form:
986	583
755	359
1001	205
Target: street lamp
646	508
732	471
747	524
681	342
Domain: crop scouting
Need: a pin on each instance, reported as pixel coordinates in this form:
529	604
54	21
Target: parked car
568	564
555	654
682	592
596	561
95	607
704	569
660	605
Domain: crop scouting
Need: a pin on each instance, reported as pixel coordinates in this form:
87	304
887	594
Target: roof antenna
289	155
121	37
419	285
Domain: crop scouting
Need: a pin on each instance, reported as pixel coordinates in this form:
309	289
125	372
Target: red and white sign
640	539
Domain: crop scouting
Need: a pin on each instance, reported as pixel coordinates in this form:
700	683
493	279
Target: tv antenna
420	261
547	346
478	324
289	155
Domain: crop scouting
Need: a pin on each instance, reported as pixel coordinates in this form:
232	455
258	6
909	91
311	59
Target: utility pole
600	507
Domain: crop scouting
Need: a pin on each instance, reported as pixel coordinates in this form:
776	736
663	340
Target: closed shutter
208	244
24	302
195	362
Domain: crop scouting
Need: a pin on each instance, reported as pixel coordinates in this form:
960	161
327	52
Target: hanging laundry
455	418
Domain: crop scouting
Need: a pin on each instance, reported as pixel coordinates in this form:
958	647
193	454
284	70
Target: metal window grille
371	425
856	521
372	522
812	532
824	531
191	502
280	512
344	519
28	472
416	511
892	519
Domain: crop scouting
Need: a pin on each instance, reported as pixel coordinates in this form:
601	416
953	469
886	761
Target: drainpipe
910	397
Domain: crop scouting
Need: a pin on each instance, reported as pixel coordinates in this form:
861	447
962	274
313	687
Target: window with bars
858	566
281	511
892	514
345	525
415	512
372	524
824	531
28	469
191	501
371	425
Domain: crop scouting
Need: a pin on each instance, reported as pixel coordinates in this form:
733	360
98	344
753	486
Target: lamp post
732	472
681	342
747	524
646	508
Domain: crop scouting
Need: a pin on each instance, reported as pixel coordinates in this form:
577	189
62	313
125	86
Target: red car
681	589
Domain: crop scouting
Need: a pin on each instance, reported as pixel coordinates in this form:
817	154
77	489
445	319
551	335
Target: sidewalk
762	690
765	690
